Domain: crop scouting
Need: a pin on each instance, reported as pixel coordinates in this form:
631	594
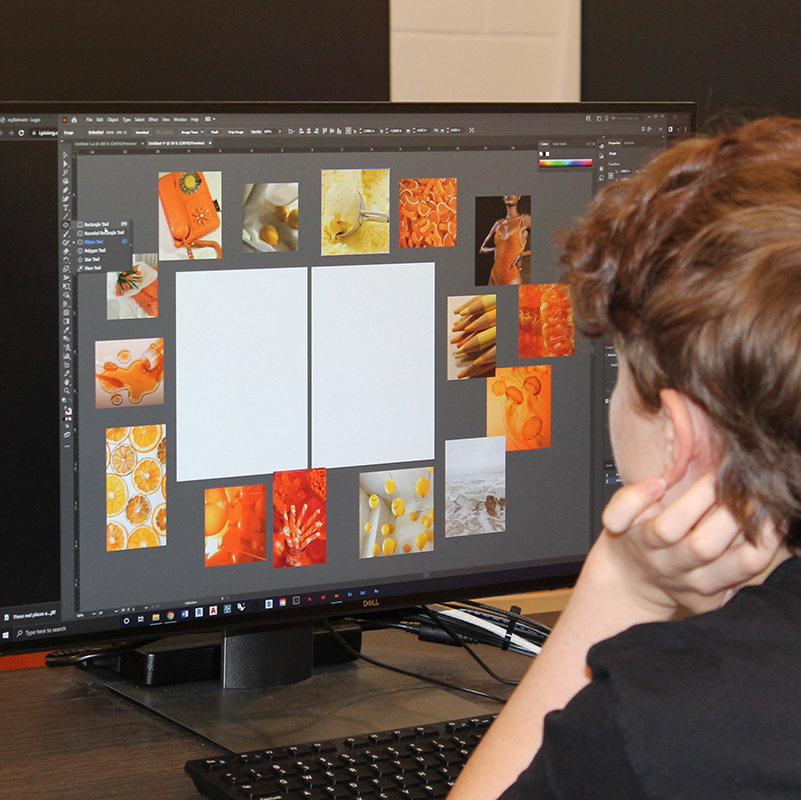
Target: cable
502	612
438	619
493	628
528	628
382	665
470	623
504	628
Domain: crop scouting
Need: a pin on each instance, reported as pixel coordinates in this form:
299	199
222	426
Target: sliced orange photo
142	537
123	459
147	475
116	495
115	536
138	509
160	519
145	437
162	451
116	434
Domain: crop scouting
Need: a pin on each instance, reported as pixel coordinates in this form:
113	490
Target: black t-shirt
707	707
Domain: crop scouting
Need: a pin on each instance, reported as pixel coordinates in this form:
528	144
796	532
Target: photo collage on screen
336	399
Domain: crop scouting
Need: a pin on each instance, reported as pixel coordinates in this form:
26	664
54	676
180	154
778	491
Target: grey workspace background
540	523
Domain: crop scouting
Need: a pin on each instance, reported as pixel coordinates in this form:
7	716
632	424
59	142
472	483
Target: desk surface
91	743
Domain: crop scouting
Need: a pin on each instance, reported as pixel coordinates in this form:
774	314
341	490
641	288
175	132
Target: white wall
485	50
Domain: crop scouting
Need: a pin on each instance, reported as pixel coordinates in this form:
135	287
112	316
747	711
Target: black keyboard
411	763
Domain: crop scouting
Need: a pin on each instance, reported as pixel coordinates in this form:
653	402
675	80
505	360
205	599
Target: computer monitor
265	364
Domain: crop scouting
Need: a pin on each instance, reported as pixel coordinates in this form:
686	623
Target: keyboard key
259	792
251	758
415	793
338	792
212	764
233	779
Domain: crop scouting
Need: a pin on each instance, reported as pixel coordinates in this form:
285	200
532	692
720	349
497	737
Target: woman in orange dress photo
508	240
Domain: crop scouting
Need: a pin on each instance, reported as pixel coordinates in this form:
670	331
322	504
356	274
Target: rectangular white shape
241	372
372	338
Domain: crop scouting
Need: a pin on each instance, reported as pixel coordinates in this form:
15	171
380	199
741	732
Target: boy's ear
687	434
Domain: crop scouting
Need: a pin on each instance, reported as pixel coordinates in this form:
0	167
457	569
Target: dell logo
370	603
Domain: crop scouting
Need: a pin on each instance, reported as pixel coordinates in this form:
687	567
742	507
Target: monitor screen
269	363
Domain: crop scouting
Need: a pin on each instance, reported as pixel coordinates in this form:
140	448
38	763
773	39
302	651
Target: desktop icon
296	601
156	618
185	613
268	603
282	602
241	606
198	612
227	608
170	616
212	611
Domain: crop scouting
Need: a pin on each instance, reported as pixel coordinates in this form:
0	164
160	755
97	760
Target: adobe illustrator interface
306	355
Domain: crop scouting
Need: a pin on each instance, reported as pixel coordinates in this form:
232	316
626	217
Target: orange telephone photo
190	210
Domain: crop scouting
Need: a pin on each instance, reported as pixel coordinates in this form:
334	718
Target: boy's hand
690	553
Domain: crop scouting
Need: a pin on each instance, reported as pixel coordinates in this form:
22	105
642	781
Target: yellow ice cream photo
340	209
341	233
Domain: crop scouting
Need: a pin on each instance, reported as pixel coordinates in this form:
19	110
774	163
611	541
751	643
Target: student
693	267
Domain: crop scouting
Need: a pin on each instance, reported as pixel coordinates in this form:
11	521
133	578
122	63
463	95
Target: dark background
737	59
181	50
120	50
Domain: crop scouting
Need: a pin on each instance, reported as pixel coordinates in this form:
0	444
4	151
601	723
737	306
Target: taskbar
209	611
154	619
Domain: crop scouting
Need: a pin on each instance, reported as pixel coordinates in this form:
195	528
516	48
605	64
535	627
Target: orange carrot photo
428	212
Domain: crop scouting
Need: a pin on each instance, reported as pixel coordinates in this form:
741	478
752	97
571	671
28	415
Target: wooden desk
89	743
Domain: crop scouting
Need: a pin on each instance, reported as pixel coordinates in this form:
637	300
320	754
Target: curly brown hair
693	267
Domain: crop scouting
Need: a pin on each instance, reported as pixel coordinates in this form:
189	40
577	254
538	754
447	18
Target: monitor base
339	700
247	659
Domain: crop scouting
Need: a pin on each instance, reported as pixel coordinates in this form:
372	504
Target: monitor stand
328	702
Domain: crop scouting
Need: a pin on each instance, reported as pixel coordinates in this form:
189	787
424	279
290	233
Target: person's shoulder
694	686
769	614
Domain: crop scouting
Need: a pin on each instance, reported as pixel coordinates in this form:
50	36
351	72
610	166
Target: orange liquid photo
129	373
519	406
299	518
236	525
546	321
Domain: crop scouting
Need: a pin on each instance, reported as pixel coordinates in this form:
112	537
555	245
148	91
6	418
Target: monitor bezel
428	590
